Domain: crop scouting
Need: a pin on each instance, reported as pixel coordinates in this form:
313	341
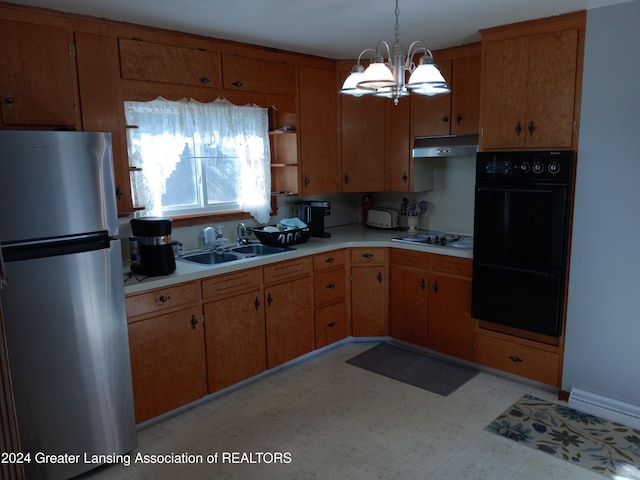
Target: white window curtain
168	129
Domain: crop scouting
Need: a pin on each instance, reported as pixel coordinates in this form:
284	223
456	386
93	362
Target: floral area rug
599	445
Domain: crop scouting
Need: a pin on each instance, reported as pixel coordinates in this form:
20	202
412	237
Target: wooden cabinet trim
232	283
283	271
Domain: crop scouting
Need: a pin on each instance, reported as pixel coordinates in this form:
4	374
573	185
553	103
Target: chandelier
388	79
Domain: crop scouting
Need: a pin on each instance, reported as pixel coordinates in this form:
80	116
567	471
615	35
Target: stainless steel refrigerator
62	303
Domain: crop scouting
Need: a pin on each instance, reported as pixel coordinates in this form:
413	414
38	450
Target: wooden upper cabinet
156	62
318	117
398	146
465	96
258	75
531	84
432	115
456	113
38	80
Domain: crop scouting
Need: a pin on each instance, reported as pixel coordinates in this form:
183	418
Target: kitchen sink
231	254
210	258
259	249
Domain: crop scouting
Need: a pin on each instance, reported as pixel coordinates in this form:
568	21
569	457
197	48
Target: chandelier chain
397	23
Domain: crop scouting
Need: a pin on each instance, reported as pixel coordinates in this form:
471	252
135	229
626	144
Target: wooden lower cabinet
289	310
450	322
331	318
518	356
369	301
167	361
235	339
408	304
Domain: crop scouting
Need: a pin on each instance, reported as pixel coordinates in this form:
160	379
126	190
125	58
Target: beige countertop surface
346	236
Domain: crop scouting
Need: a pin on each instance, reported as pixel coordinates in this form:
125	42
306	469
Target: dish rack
282	238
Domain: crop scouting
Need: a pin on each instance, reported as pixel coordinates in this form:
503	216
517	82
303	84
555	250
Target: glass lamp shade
377	75
350	85
426	74
431	90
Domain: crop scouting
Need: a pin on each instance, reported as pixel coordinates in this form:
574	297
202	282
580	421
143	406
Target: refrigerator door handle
4	280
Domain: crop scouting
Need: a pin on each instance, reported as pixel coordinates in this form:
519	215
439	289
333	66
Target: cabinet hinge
72	49
350	277
579	44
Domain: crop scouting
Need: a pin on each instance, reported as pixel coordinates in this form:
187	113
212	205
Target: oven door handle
543	273
517	189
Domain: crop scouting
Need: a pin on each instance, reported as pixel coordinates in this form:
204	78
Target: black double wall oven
521	238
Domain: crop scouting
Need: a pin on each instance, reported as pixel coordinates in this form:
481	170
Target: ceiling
338	29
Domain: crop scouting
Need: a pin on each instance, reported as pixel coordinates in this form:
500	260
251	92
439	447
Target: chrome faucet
241	234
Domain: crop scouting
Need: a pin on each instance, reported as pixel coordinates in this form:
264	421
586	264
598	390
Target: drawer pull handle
515	359
331	286
379	277
257	303
330	260
194	322
367	255
269	299
422	284
163	299
237	84
332	324
204	80
436	287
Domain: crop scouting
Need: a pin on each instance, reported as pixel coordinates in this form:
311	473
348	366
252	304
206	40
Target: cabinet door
450	322
504	93
369	301
363	149
289	327
465	96
38	81
398	145
155	62
258	75
432	115
235	339
551	89
167	362
318	131
102	104
408	312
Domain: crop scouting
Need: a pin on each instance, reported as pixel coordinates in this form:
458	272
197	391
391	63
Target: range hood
445	146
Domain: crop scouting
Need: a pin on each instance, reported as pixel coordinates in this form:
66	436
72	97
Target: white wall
603	320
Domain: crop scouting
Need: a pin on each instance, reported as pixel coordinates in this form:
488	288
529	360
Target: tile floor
337	421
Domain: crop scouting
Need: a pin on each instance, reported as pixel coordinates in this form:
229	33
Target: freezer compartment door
55	184
66	333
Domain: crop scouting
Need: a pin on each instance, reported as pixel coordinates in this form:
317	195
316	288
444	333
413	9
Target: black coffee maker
312	213
154	246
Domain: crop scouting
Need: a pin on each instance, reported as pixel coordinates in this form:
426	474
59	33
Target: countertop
346	236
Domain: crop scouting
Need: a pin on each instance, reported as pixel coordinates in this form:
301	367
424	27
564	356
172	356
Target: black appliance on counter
312	213
154	246
521	238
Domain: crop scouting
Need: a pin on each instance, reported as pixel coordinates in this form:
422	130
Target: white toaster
382	218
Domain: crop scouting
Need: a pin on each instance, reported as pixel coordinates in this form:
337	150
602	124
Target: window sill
202	218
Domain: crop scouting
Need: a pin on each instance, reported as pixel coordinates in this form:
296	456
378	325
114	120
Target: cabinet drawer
257	75
325	261
329	287
519	359
163	299
231	283
410	258
331	324
286	270
369	256
452	265
155	62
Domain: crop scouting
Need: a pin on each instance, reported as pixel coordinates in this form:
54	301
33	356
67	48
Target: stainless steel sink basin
232	254
259	249
210	258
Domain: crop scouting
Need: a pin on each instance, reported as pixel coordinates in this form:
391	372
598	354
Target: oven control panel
524	166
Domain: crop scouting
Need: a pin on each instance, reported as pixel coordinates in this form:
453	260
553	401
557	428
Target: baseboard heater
605	407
